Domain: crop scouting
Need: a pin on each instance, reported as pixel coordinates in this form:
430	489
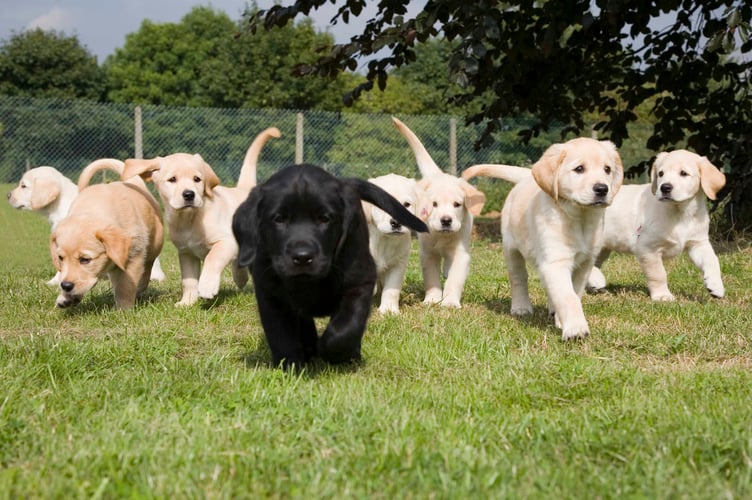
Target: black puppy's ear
245	227
372	193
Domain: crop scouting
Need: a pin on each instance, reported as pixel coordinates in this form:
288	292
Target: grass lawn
170	402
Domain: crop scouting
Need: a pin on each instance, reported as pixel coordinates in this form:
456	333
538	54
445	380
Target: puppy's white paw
716	289
596	280
208	291
447	302
522	310
574	332
157	274
432	297
663	297
189	298
389	309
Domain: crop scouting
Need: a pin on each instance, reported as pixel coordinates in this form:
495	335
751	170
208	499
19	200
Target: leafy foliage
564	61
38	63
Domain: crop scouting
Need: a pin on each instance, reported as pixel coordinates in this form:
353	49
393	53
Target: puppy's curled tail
507	172
247	178
92	168
372	193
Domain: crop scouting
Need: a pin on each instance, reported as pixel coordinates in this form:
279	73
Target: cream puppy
448	206
390	241
663	219
553	220
199	214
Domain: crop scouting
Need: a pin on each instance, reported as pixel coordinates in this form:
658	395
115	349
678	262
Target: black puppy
305	239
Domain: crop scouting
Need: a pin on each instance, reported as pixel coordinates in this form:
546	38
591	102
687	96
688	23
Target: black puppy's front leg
291	337
341	340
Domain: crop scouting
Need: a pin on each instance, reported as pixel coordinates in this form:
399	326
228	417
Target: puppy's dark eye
660	174
172	179
84	260
23	186
324	218
457	204
279	218
406	204
607	169
683	173
435	204
197	179
579	169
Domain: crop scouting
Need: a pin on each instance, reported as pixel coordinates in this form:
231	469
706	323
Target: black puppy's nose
189	195
394	224
600	189
667	188
302	256
67	286
446	221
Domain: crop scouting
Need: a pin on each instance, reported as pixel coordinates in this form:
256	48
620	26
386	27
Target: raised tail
426	165
92	168
507	172
367	191
247	178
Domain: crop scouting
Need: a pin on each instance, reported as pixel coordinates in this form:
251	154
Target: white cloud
56	19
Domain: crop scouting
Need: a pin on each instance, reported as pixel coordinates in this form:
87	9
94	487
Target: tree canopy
38	63
567	61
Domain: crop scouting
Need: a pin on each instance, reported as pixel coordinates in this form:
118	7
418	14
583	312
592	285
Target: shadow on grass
104	300
261	357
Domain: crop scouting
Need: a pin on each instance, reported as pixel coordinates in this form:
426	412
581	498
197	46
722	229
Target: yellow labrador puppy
664	218
46	191
448	206
553	219
390	241
199	214
112	230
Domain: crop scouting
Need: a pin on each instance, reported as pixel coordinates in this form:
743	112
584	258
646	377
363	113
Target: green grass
473	403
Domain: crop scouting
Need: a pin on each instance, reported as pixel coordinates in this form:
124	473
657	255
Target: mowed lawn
166	402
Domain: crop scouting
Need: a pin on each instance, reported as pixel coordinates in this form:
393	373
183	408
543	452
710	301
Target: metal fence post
138	134
453	146
299	139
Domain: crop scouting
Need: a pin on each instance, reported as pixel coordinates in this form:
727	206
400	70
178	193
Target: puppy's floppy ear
546	170
474	197
712	180
43	192
654	171
210	180
245	227
141	168
424	203
53	253
617	165
116	244
372	193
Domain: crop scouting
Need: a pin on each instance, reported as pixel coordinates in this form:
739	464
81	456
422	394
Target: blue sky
101	25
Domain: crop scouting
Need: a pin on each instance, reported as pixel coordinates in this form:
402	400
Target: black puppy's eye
279	218
579	169
84	260
607	169
683	173
197	179
172	179
324	218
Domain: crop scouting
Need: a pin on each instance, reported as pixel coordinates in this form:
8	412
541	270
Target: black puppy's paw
337	350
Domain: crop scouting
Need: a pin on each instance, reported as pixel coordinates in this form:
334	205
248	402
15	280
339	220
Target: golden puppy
390	241
664	218
553	219
448	209
199	214
112	230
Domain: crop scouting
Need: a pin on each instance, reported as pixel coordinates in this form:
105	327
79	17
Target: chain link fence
69	134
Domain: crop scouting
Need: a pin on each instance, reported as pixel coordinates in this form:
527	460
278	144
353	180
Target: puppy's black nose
302	256
667	188
67	286
446	221
394	224
189	195
600	189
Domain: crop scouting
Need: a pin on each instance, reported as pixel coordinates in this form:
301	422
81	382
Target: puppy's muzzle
600	190
189	197
396	226
446	223
666	190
